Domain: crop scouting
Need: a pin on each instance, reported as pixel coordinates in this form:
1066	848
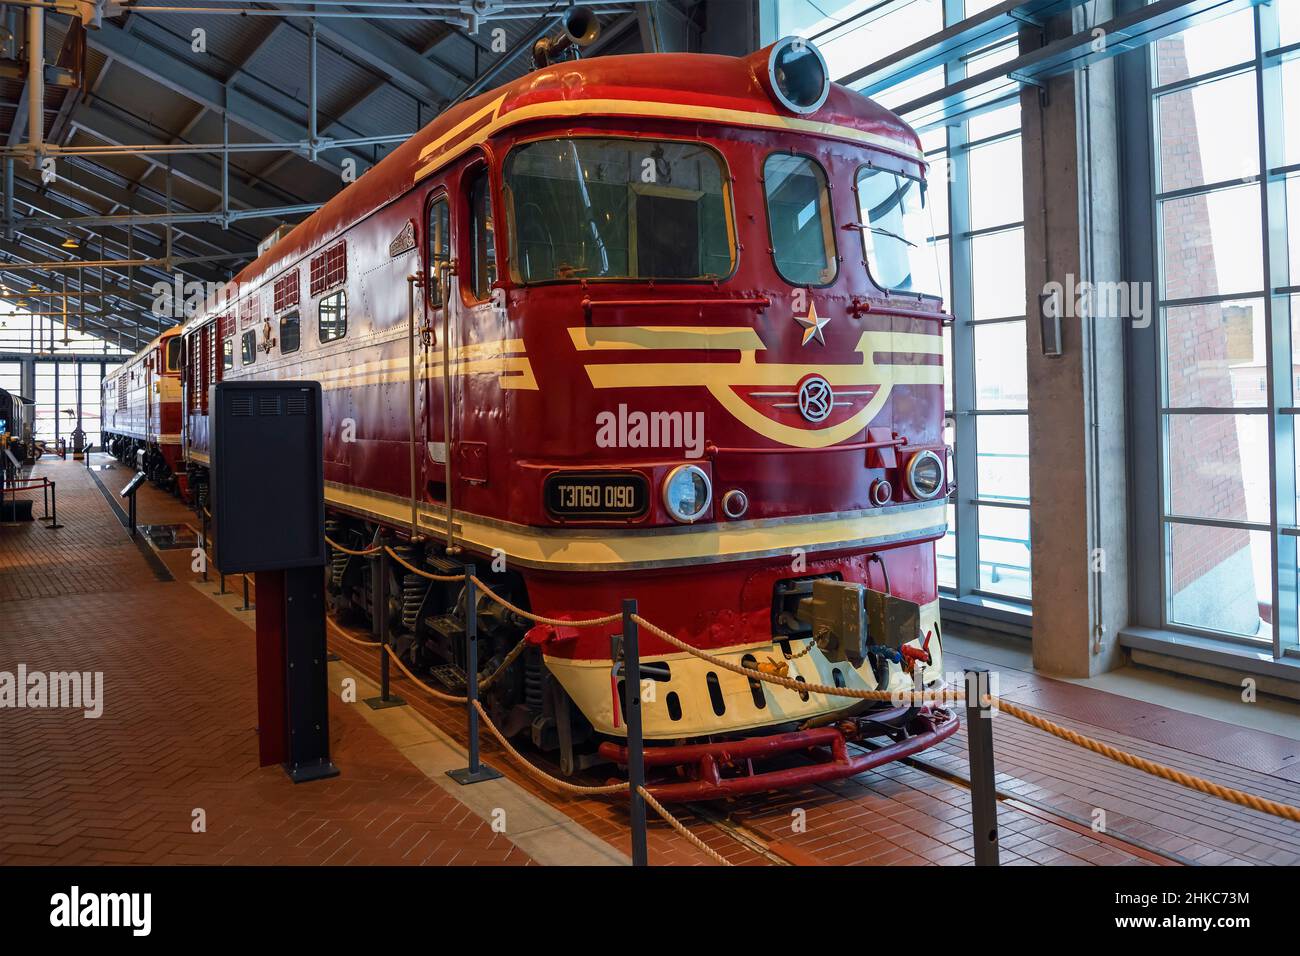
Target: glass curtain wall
975	195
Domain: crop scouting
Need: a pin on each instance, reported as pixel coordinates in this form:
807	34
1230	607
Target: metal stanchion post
635	744
379	628
223	581
245	607
204	543
476	771
983	791
54	505
131	512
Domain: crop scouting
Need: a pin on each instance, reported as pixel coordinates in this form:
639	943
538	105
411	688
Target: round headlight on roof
797	74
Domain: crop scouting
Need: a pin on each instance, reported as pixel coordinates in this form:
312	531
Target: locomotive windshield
618	209
174	354
896	231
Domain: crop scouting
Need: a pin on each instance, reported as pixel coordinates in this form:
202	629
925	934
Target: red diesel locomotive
662	324
140	405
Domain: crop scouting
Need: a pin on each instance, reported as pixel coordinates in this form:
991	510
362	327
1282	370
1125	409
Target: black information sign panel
268	489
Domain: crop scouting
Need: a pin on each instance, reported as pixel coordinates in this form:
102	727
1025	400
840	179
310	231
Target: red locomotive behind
662	324
141	409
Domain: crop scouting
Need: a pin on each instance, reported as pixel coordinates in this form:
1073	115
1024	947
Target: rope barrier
502	667
677	825
538	619
1200	784
348	637
356	554
930	697
1239	797
528	765
537	771
424	574
449	698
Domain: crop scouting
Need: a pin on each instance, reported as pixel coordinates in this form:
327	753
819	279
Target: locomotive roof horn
579	28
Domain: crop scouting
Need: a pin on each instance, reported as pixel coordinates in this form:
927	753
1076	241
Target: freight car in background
141	411
676	337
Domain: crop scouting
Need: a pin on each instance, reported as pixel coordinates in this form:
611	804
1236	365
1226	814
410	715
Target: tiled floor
177	743
79	788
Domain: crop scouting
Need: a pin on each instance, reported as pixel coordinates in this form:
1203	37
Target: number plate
597	496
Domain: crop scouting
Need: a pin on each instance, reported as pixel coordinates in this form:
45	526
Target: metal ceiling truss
145	234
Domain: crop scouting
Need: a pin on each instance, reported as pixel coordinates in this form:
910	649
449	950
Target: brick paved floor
900	814
178	729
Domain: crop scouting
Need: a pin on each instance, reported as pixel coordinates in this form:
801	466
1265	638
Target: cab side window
482	240
248	348
439	247
227	355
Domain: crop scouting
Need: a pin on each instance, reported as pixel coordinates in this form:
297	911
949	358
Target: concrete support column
1077	478
27	376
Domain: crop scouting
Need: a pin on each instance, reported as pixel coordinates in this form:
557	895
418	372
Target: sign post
268	497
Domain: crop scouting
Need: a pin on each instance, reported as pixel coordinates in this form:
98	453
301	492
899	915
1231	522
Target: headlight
924	475
687	493
798	75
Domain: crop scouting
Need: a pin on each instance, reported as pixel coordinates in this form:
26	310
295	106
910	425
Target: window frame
728	206
228	353
436	196
168	364
467	284
830	216
862	232
340	293
247	356
296	314
1150	409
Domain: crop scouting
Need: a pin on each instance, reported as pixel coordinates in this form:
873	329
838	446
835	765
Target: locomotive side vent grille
296	405
241	406
268	405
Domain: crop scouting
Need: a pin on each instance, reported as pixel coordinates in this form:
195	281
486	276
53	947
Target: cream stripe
613	549
683	111
587	339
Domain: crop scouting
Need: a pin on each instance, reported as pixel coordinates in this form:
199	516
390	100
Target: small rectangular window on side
227	355
332	316
248	348
439	248
290	333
